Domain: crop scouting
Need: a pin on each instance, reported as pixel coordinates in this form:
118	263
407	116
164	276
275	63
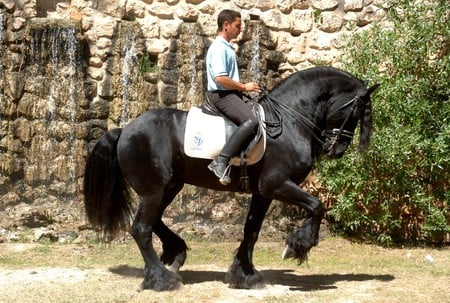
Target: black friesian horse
316	110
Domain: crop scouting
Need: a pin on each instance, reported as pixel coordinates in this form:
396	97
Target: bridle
328	138
332	136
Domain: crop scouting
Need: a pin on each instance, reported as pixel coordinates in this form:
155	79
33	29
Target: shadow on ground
287	277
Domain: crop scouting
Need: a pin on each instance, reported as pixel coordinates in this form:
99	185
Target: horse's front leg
242	273
299	243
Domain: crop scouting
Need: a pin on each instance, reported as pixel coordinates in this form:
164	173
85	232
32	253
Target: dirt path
201	283
374	278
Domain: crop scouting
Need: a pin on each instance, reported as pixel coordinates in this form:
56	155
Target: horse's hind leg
242	273
156	276
174	248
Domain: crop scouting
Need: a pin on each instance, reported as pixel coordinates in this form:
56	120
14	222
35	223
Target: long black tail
106	197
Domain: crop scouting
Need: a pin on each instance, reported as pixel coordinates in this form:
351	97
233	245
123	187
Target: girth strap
243	179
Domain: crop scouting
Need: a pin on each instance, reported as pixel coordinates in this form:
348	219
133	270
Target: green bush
398	191
148	63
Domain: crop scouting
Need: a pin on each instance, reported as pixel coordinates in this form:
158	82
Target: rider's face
233	29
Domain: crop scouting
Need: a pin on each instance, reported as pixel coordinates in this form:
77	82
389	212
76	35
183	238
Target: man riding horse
224	90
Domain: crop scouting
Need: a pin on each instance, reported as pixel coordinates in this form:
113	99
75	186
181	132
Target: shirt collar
222	39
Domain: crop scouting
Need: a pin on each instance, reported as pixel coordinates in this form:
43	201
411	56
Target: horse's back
150	142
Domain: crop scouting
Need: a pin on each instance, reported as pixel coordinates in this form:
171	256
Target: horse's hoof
170	287
239	280
174	263
174	285
288	252
167	281
255	281
175	267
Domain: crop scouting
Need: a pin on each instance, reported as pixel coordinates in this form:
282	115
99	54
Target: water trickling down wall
182	68
54	113
258	58
129	61
2	38
46	130
41	132
128	90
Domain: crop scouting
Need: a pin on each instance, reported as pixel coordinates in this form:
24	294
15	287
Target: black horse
312	112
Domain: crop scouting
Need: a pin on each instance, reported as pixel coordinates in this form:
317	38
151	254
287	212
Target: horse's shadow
284	277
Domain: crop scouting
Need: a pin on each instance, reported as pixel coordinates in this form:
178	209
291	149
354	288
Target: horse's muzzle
334	147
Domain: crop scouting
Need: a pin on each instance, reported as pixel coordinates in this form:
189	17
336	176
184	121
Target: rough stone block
330	22
353	5
187	13
301	21
275	20
325	5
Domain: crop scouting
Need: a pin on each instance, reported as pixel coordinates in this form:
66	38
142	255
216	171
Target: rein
334	135
276	106
331	136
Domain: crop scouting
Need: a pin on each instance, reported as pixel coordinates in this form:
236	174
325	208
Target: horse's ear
371	89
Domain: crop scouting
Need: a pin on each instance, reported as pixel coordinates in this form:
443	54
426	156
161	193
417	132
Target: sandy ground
204	283
201	284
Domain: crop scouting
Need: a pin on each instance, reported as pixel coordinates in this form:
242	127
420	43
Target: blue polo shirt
221	61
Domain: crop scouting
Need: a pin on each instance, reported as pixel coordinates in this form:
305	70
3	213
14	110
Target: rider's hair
227	15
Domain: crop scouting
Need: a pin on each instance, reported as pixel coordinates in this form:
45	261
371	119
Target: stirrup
225	178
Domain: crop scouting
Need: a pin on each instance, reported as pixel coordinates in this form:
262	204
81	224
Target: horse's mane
304	90
306	77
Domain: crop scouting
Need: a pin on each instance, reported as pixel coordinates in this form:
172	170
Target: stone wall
70	70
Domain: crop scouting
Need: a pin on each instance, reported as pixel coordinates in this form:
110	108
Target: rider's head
229	23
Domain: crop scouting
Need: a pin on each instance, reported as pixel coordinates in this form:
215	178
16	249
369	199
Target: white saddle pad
205	137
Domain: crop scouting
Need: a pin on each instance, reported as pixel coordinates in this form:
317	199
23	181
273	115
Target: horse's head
342	119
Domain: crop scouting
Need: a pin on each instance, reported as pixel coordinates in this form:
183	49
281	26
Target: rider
225	90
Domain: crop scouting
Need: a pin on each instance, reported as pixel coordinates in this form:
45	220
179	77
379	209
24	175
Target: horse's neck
307	99
312	95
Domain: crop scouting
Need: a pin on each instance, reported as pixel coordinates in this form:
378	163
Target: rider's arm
229	83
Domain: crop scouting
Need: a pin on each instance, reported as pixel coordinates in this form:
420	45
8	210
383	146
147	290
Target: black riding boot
219	166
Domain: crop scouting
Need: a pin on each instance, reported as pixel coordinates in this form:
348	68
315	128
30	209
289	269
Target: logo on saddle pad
205	136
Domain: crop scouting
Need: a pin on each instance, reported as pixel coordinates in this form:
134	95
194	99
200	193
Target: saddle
207	131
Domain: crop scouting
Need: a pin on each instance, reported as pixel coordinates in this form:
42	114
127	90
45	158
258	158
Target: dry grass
338	271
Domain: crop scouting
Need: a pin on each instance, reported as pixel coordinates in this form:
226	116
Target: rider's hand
252	87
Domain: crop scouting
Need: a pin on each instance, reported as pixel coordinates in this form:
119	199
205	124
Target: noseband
332	136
